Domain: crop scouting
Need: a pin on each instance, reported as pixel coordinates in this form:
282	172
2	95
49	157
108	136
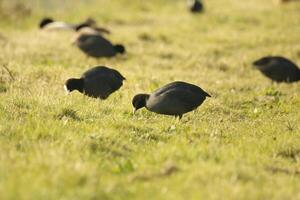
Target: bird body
175	99
101	82
98	82
278	68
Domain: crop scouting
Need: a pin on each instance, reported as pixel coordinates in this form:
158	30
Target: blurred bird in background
195	6
95	45
278	69
49	24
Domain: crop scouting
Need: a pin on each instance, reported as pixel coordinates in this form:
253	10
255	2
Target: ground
242	143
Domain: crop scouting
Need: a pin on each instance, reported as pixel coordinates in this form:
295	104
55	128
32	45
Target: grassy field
243	143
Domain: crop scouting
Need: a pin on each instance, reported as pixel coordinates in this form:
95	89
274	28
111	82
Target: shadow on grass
290	153
277	170
67	113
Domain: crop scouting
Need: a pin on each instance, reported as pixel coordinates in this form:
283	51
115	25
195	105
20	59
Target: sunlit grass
243	143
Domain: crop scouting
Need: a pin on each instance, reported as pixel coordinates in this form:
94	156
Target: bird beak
66	89
134	111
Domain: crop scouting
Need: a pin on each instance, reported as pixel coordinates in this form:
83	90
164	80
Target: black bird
95	45
278	68
175	99
97	82
195	6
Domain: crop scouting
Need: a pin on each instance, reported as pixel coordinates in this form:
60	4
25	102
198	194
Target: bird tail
208	95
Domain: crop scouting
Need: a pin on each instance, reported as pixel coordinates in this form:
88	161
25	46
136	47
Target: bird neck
119	48
145	98
79	84
298	75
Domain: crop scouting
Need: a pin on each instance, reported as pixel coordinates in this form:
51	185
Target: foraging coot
176	98
98	82
96	46
278	68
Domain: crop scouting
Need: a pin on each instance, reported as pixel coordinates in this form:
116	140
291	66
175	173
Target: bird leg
178	117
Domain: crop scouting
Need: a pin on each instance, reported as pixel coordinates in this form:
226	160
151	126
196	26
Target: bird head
74	84
45	21
139	101
120	48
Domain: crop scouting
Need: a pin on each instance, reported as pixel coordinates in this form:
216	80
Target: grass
243	143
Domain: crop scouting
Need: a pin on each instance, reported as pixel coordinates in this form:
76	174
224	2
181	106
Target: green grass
243	143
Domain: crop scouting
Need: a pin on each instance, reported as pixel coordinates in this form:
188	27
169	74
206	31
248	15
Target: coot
95	45
278	69
98	82
176	98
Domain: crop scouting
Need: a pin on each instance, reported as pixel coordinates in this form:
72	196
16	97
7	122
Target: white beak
134	111
66	89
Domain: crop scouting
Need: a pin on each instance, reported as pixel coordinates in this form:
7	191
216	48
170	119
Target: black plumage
195	6
97	82
278	68
97	46
45	21
175	99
